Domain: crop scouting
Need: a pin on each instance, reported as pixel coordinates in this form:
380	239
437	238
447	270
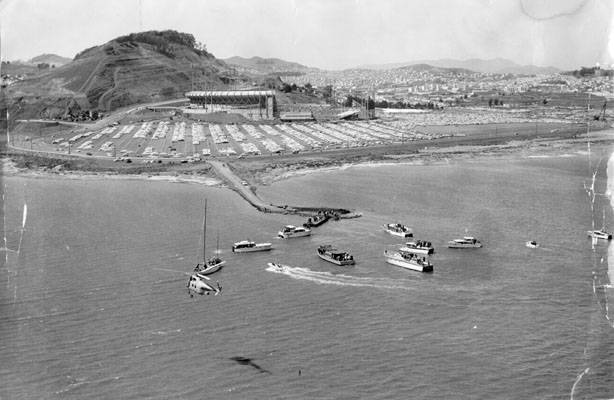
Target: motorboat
247	246
331	254
467	242
291	231
199	284
398	230
532	244
418	247
277	266
600	234
316	220
408	261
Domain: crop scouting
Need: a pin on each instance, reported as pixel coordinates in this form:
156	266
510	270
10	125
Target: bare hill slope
140	67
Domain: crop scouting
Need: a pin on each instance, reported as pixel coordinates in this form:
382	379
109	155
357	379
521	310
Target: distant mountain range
267	66
494	66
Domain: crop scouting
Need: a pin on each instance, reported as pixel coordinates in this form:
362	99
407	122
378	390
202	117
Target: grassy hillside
141	67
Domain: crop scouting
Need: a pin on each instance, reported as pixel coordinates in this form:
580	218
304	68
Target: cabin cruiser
467	242
532	244
398	230
247	246
600	234
418	247
408	261
330	254
291	231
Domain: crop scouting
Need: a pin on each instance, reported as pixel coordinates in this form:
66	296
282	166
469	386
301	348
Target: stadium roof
230	93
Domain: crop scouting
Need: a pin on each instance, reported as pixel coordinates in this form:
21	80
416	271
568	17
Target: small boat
408	261
291	231
199	285
213	264
247	246
316	220
418	247
600	234
467	242
398	230
331	254
532	244
277	266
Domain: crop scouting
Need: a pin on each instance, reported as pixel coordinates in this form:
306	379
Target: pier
235	183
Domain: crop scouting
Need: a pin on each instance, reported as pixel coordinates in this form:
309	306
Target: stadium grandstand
254	104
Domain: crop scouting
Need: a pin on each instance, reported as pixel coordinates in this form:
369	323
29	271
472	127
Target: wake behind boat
398	230
467	242
408	261
331	254
418	247
291	231
247	246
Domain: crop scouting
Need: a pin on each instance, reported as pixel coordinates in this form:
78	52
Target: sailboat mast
205	235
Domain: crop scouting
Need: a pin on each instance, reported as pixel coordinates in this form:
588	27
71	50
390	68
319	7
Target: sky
329	34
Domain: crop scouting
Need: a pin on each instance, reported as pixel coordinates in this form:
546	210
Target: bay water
95	303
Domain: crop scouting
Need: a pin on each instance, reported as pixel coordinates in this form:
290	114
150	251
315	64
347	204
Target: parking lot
191	141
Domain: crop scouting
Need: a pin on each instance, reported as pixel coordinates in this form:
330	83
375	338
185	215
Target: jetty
235	183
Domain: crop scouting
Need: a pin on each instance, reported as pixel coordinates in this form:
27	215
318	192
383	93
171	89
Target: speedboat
398	230
331	254
467	242
291	231
247	246
408	261
418	247
532	244
600	234
277	266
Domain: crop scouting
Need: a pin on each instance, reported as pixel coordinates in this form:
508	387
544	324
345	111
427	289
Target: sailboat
594	234
214	263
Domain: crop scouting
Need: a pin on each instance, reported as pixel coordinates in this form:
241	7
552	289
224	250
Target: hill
140	67
493	66
267	66
51	59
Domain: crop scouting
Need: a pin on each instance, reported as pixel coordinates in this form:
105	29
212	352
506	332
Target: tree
489	102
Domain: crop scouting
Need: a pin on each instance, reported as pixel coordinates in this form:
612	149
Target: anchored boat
331	254
214	263
247	246
398	230
467	242
291	231
418	247
408	261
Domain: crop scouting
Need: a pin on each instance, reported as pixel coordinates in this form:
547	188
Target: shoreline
262	172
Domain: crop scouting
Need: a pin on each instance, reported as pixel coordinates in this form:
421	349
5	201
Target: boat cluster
415	255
